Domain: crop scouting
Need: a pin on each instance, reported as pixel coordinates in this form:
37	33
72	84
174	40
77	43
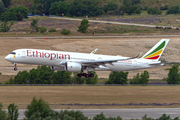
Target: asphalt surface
126	113
90	37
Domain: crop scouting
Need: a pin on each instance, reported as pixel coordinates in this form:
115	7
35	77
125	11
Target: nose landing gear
15	69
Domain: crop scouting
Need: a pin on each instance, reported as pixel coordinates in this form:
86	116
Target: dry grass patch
58	95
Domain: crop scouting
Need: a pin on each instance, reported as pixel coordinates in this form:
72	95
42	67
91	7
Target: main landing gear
85	75
15	69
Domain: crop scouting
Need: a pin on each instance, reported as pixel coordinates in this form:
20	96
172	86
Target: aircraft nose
7	58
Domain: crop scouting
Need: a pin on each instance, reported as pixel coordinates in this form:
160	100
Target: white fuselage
55	58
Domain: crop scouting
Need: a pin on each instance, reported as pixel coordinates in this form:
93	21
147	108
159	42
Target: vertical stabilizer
156	52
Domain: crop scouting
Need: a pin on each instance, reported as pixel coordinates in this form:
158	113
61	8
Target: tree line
44	75
40	110
78	8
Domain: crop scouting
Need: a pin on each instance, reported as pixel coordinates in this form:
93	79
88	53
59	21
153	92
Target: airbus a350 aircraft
78	62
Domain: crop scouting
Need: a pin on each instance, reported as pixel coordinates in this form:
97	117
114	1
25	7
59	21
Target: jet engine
57	68
73	67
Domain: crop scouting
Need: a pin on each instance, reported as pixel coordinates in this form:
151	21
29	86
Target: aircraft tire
15	69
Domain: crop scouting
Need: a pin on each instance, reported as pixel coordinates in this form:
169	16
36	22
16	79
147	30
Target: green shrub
0	73
12	112
117	78
5	27
42	29
154	11
84	26
9	16
34	25
52	30
65	32
142	79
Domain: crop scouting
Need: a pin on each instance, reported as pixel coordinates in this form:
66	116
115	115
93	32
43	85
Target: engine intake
73	67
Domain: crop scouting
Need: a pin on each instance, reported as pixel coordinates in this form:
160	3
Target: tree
62	77
39	9
46	3
84	26
85	7
117	78
2	7
21	77
34	25
3	114
174	75
5	27
7	3
173	10
59	8
13	112
19	16
9	16
103	117
134	9
142	79
111	6
40	107
20	9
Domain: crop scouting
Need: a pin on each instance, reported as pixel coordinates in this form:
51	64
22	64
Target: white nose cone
7	58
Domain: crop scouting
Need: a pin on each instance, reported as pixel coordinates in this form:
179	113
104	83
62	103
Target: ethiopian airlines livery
78	62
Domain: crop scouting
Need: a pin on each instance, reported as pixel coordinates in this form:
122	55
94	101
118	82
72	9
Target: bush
6	26
154	11
103	117
142	79
84	26
117	78
42	29
174	75
12	112
72	115
65	32
34	25
52	30
0	73
2	7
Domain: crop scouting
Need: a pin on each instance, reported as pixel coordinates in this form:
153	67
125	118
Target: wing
102	62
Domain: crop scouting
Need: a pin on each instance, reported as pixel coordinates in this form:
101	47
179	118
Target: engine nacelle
57	68
73	67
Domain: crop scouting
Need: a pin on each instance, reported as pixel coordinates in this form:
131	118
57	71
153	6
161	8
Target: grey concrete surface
126	113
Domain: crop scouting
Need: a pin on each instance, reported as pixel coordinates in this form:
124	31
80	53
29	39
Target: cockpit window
13	53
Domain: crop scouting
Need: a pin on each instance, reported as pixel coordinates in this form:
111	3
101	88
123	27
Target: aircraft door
23	54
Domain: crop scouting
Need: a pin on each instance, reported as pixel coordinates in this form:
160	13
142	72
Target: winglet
94	51
138	55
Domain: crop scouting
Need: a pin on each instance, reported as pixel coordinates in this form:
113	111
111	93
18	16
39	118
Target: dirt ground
111	46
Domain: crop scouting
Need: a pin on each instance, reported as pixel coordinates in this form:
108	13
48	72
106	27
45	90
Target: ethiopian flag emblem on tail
156	52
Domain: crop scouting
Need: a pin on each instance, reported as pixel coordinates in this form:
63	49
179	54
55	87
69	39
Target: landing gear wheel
86	76
79	75
15	69
91	75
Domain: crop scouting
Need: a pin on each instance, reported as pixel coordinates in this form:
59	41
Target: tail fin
156	52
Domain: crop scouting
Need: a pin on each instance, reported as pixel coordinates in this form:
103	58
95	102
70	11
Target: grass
64	97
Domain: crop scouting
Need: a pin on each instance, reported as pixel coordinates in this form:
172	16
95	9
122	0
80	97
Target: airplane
79	62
